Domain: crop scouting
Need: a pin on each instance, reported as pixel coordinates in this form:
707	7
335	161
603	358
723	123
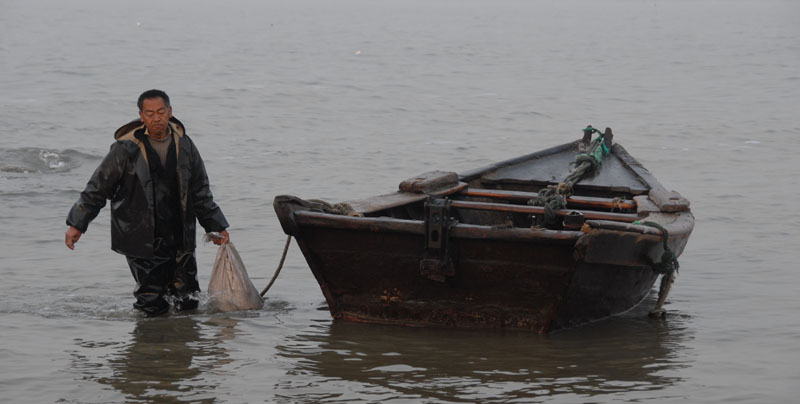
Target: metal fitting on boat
574	220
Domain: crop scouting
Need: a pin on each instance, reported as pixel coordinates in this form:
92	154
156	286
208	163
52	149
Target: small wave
51	159
396	368
72	303
14	169
80	73
36	160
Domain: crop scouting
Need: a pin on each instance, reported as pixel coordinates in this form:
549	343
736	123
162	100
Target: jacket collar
127	131
134	132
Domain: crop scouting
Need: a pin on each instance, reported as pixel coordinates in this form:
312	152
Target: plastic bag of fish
229	288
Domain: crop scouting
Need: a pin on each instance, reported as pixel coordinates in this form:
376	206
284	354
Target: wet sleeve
208	214
101	187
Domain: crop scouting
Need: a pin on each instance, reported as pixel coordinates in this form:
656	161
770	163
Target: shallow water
346	98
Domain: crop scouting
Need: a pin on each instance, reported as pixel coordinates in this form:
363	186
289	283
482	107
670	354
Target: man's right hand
72	236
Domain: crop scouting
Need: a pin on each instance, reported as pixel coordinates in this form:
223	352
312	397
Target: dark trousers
171	273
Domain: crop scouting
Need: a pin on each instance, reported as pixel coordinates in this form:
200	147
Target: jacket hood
126	131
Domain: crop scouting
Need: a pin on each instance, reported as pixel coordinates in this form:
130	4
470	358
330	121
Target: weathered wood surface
504	278
383	202
575	200
498	283
667	201
470	175
429	182
369	268
635	228
644	206
551	168
459	230
388	201
538	210
634	246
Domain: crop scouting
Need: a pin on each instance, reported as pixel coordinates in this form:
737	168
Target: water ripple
29	160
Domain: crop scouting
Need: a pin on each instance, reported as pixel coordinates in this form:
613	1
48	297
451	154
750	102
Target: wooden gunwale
459	230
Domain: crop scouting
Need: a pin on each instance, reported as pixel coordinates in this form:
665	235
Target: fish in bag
229	288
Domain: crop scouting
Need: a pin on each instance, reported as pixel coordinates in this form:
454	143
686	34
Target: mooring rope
669	262
337	209
554	197
667	267
341	208
278	270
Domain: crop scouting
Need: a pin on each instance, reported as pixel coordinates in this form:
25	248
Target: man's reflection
166	358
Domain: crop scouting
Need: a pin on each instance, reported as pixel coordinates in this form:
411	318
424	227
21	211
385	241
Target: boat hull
467	251
369	271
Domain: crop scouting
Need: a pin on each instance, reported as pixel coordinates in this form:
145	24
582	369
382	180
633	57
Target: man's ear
170	113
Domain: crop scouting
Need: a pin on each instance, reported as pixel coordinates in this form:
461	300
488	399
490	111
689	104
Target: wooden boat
471	251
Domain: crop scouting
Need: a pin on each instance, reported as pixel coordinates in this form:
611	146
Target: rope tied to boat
341	208
617	204
280	266
667	267
552	200
669	262
554	197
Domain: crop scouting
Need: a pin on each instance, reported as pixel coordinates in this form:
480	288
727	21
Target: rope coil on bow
554	197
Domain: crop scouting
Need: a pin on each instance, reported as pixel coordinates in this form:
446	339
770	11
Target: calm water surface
345	98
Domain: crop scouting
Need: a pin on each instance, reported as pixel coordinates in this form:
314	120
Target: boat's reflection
360	362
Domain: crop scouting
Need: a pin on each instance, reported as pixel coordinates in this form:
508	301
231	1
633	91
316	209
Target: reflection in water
624	355
167	360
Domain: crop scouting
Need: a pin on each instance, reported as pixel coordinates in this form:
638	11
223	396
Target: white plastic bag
229	288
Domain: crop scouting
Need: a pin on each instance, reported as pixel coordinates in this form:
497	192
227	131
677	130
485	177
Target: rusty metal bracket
437	264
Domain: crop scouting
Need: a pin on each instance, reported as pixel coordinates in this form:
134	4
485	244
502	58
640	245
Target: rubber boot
152	277
184	286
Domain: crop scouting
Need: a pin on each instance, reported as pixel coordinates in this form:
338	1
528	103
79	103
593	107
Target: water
345	98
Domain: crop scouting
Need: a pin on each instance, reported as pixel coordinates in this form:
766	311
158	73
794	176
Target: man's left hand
225	239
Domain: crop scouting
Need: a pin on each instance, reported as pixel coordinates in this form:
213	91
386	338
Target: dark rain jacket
124	177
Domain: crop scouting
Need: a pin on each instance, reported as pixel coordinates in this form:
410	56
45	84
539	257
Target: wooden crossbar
578	201
538	210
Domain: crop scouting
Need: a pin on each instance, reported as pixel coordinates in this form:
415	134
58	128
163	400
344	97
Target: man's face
155	114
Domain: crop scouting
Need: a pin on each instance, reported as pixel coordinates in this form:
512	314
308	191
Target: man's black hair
153	94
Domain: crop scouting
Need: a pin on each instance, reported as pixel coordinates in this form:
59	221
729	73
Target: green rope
668	267
552	201
591	130
554	197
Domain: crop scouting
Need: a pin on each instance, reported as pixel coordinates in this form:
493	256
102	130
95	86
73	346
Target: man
158	187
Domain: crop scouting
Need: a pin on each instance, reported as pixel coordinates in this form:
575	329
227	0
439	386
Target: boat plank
575	200
667	201
538	210
615	175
